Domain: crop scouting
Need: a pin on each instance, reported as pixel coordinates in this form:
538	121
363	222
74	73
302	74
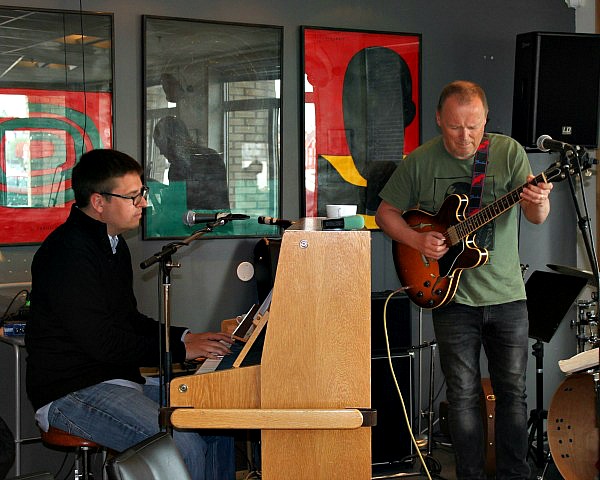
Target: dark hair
465	91
97	170
171	132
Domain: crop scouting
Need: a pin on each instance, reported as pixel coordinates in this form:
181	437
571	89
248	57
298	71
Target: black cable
13	301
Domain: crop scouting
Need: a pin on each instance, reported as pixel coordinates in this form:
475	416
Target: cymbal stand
164	259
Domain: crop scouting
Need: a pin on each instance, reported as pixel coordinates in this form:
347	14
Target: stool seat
60	438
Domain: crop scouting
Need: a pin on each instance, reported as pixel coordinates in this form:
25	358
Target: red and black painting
42	134
362	113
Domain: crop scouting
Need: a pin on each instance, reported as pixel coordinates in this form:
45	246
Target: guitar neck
473	223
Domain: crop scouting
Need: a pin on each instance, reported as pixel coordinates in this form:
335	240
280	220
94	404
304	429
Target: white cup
339	211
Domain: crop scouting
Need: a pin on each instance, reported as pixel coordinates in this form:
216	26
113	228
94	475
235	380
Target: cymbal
576	272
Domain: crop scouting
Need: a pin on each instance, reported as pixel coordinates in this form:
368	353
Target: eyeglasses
136	199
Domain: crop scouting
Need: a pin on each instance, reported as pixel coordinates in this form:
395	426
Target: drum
572	428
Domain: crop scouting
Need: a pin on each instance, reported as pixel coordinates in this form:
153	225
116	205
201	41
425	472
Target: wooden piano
314	379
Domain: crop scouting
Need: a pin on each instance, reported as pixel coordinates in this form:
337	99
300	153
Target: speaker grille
556	88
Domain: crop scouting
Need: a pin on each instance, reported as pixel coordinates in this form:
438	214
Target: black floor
440	463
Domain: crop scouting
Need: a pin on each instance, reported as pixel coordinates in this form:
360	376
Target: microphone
193	218
280	222
353	222
546	144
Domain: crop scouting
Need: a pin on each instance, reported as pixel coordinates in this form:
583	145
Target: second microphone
193	218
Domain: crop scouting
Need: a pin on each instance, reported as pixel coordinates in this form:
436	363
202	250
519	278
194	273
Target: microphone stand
576	162
164	259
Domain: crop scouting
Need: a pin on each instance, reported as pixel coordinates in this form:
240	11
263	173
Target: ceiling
54	48
66	50
187	48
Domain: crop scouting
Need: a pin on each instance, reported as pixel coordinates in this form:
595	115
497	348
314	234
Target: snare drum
572	428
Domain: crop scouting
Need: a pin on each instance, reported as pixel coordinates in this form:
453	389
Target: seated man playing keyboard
86	339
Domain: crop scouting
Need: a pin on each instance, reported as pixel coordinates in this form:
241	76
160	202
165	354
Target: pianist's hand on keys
208	345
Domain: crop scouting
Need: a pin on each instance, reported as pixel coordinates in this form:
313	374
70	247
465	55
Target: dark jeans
502	329
119	417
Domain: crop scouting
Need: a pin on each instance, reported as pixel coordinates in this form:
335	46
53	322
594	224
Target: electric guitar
432	283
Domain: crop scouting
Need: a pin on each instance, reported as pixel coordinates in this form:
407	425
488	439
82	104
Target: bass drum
572	428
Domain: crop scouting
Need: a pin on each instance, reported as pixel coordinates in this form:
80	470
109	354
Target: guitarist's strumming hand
535	200
431	244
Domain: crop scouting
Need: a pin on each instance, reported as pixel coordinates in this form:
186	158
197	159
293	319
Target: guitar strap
480	163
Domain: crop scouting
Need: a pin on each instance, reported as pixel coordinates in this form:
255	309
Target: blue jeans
503	331
119	417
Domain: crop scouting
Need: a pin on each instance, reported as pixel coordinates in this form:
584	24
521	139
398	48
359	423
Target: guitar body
432	283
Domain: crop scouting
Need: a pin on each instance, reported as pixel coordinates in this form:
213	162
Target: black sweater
85	327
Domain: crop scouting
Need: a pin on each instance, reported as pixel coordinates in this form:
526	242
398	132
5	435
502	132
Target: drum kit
573	434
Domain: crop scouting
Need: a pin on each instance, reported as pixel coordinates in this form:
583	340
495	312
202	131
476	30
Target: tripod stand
538	415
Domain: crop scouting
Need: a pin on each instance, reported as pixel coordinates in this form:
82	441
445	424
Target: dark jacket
85	327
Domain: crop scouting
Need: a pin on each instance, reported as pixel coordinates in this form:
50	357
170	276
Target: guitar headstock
578	161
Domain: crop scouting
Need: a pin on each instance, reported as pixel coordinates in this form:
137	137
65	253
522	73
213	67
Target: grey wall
461	39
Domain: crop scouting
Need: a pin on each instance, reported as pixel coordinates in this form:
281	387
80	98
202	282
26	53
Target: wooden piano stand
308	394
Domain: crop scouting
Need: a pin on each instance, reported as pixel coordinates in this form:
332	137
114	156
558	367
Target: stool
62	440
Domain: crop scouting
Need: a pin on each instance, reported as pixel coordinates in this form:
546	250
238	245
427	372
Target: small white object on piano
209	365
581	361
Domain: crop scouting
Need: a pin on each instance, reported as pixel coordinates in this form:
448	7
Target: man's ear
97	202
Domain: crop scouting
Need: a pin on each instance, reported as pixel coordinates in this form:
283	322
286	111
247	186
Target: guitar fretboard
460	231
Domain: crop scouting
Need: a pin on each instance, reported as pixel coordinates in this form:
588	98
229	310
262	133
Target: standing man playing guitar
488	308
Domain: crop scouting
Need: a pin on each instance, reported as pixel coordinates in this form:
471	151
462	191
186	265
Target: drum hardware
586	325
596	377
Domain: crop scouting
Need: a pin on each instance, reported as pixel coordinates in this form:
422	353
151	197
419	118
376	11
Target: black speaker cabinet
390	437
398	322
556	88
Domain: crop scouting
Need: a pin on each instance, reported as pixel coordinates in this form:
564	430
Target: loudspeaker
398	322
390	437
556	88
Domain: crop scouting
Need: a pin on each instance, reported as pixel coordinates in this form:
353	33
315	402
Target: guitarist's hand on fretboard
535	200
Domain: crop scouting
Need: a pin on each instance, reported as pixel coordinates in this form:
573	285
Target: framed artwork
212	125
56	98
361	114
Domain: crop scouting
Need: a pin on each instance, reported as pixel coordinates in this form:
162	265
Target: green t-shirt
429	174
